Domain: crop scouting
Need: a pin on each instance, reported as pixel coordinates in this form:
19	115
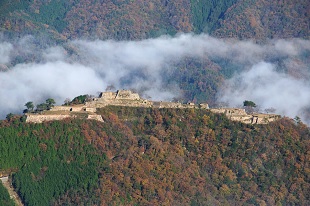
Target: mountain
149	156
145	156
135	19
259	19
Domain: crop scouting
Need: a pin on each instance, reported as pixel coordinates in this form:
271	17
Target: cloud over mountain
274	74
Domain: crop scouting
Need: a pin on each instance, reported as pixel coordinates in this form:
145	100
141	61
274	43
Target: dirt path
7	184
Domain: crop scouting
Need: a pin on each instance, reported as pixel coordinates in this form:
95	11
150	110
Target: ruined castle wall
240	115
36	118
107	95
265	118
229	111
248	119
90	109
95	117
130	99
60	108
167	105
204	106
127	94
67	108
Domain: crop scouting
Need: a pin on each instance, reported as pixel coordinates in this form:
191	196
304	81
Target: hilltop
160	156
127	98
121	149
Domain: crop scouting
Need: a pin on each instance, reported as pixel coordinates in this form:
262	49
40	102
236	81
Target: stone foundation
236	114
37	118
95	117
130	99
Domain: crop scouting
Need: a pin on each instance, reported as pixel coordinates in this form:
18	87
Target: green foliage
207	14
52	159
248	103
197	79
53	13
9	116
50	103
79	99
42	107
5	199
30	106
230	158
143	156
7	6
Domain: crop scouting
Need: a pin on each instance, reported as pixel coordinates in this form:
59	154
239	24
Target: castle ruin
128	98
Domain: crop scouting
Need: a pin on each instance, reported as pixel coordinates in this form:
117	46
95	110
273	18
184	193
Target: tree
270	110
42	107
247	103
297	120
67	101
50	103
9	116
29	106
249	106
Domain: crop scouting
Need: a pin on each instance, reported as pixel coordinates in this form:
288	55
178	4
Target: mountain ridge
144	156
129	20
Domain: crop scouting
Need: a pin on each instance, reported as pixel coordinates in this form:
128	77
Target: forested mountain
144	156
125	19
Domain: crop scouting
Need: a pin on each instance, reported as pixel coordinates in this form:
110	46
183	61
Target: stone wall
60	108
229	111
130	99
236	114
166	105
95	117
127	94
37	118
107	95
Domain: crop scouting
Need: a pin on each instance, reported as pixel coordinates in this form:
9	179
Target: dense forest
5	197
124	19
144	156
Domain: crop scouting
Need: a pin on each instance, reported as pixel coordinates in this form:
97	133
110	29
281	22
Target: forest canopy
144	156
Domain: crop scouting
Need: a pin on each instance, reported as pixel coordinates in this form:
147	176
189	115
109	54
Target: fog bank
274	74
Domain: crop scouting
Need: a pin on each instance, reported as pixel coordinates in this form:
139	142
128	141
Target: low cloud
37	82
268	89
5	51
38	71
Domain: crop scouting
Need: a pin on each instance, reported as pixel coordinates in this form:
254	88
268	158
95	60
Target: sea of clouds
273	74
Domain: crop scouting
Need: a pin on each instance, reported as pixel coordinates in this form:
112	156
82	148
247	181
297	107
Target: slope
125	19
259	19
143	156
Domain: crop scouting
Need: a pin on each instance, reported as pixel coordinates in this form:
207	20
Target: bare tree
270	110
67	101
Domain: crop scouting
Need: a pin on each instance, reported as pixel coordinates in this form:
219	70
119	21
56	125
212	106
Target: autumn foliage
144	156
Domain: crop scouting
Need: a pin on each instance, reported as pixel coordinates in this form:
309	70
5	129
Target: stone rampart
37	118
107	95
236	114
128	98
95	117
229	111
60	108
127	94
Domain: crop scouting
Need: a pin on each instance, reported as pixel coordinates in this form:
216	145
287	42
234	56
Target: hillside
144	156
259	19
129	20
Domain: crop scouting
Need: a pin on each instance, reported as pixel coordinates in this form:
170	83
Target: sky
274	74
